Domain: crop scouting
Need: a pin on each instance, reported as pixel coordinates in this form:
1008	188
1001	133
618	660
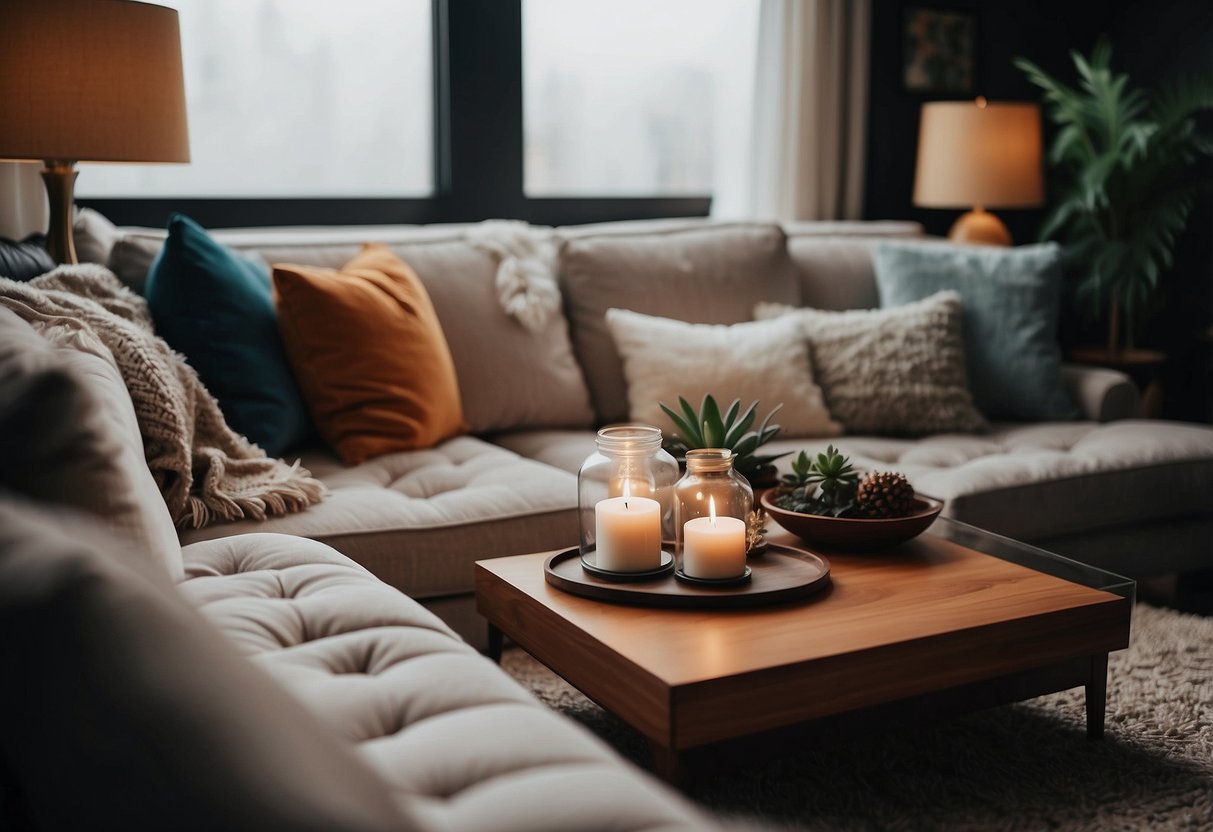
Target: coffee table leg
667	764
496	641
1097	695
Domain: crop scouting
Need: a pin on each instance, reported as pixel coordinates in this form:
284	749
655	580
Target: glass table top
1032	557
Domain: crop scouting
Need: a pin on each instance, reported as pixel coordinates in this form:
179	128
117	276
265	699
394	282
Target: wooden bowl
855	534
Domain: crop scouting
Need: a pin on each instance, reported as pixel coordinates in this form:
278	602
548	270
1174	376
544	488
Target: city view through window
302	98
310	98
633	97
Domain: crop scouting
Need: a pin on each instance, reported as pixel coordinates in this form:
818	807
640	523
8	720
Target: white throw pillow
764	360
890	371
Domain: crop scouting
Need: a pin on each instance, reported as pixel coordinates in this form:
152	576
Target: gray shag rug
1021	767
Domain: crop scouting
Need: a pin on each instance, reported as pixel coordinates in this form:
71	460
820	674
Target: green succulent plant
709	428
802	469
1127	181
823	485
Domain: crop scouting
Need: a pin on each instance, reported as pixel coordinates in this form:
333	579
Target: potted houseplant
732	428
1124	160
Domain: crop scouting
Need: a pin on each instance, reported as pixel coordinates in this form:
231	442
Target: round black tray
781	574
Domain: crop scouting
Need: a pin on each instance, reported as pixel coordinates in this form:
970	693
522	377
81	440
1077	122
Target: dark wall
1178	41
1151	41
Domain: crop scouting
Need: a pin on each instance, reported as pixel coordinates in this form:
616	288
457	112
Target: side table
1143	366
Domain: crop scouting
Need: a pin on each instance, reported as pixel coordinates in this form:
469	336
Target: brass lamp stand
60	179
980	227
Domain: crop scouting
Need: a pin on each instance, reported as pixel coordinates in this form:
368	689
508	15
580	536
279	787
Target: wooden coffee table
954	620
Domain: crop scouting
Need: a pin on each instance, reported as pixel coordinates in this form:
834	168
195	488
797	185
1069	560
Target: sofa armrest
1103	395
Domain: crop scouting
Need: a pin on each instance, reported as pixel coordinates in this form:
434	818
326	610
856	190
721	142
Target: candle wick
625	505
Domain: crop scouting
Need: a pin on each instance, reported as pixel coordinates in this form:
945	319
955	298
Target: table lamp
978	155
89	81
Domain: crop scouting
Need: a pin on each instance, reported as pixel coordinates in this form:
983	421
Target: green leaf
709	418
695	435
730	414
743	424
685	428
764	428
747	444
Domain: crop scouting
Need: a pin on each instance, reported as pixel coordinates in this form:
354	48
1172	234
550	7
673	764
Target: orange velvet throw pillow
369	354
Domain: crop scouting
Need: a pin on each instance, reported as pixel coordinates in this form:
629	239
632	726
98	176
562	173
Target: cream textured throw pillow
764	360
891	371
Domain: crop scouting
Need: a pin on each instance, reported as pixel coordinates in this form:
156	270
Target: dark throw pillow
216	308
26	259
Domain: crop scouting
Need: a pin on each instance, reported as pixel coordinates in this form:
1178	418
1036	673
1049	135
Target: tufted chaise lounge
460	743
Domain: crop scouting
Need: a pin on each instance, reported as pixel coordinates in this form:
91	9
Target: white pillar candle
627	534
713	547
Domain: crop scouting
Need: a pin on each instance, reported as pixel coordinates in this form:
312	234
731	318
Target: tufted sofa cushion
420	519
462	745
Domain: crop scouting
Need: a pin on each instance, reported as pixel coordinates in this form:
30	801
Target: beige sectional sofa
126	709
1127	494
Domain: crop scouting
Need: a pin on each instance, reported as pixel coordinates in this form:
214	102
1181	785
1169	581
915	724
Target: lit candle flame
712	509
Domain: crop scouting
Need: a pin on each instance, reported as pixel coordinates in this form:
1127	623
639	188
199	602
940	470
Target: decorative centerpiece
625	504
825	501
709	428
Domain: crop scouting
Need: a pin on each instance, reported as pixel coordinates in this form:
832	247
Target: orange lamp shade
91	81
979	154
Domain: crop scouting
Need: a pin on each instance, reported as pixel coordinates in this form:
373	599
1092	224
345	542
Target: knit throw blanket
205	470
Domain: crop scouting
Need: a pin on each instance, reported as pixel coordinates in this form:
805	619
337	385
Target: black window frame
478	150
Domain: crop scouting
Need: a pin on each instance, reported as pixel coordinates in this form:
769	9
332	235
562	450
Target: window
634	97
297	98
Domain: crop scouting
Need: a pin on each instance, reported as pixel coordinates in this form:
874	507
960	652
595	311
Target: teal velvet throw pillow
1010	299
216	308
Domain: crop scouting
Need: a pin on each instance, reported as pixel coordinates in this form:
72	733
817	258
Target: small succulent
823	485
709	428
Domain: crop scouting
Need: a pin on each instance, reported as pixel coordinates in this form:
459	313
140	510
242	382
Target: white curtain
23	208
808	131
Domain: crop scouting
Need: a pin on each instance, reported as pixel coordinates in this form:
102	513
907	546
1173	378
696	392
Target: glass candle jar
625	500
712	504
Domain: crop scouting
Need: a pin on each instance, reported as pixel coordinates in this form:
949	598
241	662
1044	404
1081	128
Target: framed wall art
939	51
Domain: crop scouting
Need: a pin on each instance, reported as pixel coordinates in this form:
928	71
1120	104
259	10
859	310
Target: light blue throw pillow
1010	299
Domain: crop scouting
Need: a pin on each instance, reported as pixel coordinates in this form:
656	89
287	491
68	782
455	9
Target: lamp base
980	227
60	180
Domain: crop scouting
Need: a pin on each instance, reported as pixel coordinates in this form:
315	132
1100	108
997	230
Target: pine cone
884	494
